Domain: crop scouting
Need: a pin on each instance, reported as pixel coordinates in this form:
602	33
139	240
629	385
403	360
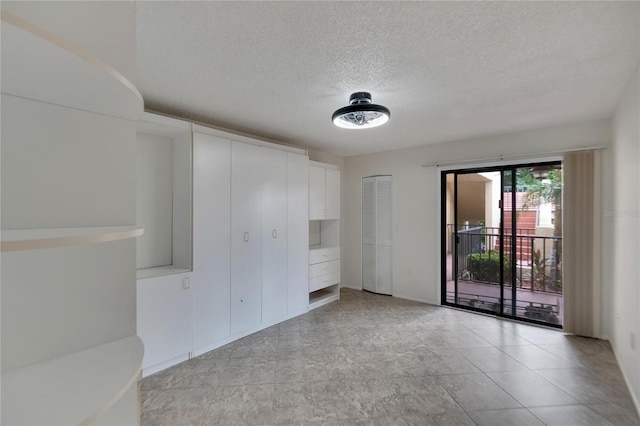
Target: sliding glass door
502	241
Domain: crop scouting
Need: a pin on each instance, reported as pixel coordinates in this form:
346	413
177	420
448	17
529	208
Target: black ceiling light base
361	113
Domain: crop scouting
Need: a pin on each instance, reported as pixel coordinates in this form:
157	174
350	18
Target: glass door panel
535	211
473	275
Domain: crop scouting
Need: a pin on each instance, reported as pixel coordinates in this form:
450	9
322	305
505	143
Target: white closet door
297	233
384	235
377	235
211	239
317	187
246	246
368	234
332	197
274	234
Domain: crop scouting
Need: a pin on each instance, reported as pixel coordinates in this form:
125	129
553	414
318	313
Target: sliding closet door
246	228
274	234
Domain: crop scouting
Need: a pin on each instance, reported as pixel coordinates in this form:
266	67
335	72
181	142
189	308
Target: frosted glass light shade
361	114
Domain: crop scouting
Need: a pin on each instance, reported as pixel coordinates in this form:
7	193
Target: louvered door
377	230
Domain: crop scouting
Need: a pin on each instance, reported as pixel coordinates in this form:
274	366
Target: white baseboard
399	296
634	397
350	286
416	299
208	348
297	313
219	343
164	365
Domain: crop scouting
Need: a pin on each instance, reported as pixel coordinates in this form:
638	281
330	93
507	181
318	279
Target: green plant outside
485	267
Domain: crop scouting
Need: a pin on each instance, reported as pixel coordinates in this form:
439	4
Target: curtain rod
514	157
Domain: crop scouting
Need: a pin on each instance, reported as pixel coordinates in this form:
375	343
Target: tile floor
377	360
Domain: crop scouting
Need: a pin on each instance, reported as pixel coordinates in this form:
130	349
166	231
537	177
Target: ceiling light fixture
361	114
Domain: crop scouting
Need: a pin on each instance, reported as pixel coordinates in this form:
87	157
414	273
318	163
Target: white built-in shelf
324	296
160	271
33	239
74	389
322	247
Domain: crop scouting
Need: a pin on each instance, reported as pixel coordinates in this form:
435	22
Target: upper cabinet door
274	234
332	203
246	237
316	193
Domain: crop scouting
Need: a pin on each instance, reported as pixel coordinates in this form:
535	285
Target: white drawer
323	281
323	255
324	268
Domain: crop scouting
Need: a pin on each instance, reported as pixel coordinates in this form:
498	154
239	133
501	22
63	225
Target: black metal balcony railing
538	260
536	311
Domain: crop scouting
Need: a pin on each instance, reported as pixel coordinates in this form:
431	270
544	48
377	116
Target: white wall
622	232
416	198
154	167
93	31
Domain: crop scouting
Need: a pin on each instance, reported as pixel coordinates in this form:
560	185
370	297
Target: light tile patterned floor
377	360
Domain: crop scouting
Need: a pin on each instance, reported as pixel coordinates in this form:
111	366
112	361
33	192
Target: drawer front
323	255
324	268
323	281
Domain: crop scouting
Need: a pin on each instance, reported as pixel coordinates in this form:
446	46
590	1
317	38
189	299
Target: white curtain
581	243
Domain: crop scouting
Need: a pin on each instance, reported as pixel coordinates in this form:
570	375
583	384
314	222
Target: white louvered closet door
377	233
369	234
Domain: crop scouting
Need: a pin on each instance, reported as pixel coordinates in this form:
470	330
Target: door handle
274	233
246	237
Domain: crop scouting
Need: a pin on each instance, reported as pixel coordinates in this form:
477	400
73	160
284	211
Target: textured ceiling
446	70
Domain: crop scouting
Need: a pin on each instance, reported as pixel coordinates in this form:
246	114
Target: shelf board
160	271
74	389
322	297
321	247
33	239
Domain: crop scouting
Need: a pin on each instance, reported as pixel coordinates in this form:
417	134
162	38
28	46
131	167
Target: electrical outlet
632	340
186	283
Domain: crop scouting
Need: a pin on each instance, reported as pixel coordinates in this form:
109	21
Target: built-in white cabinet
164	253
211	240
246	237
250	240
165	320
274	234
163	195
297	233
324	234
250	235
324	268
324	192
